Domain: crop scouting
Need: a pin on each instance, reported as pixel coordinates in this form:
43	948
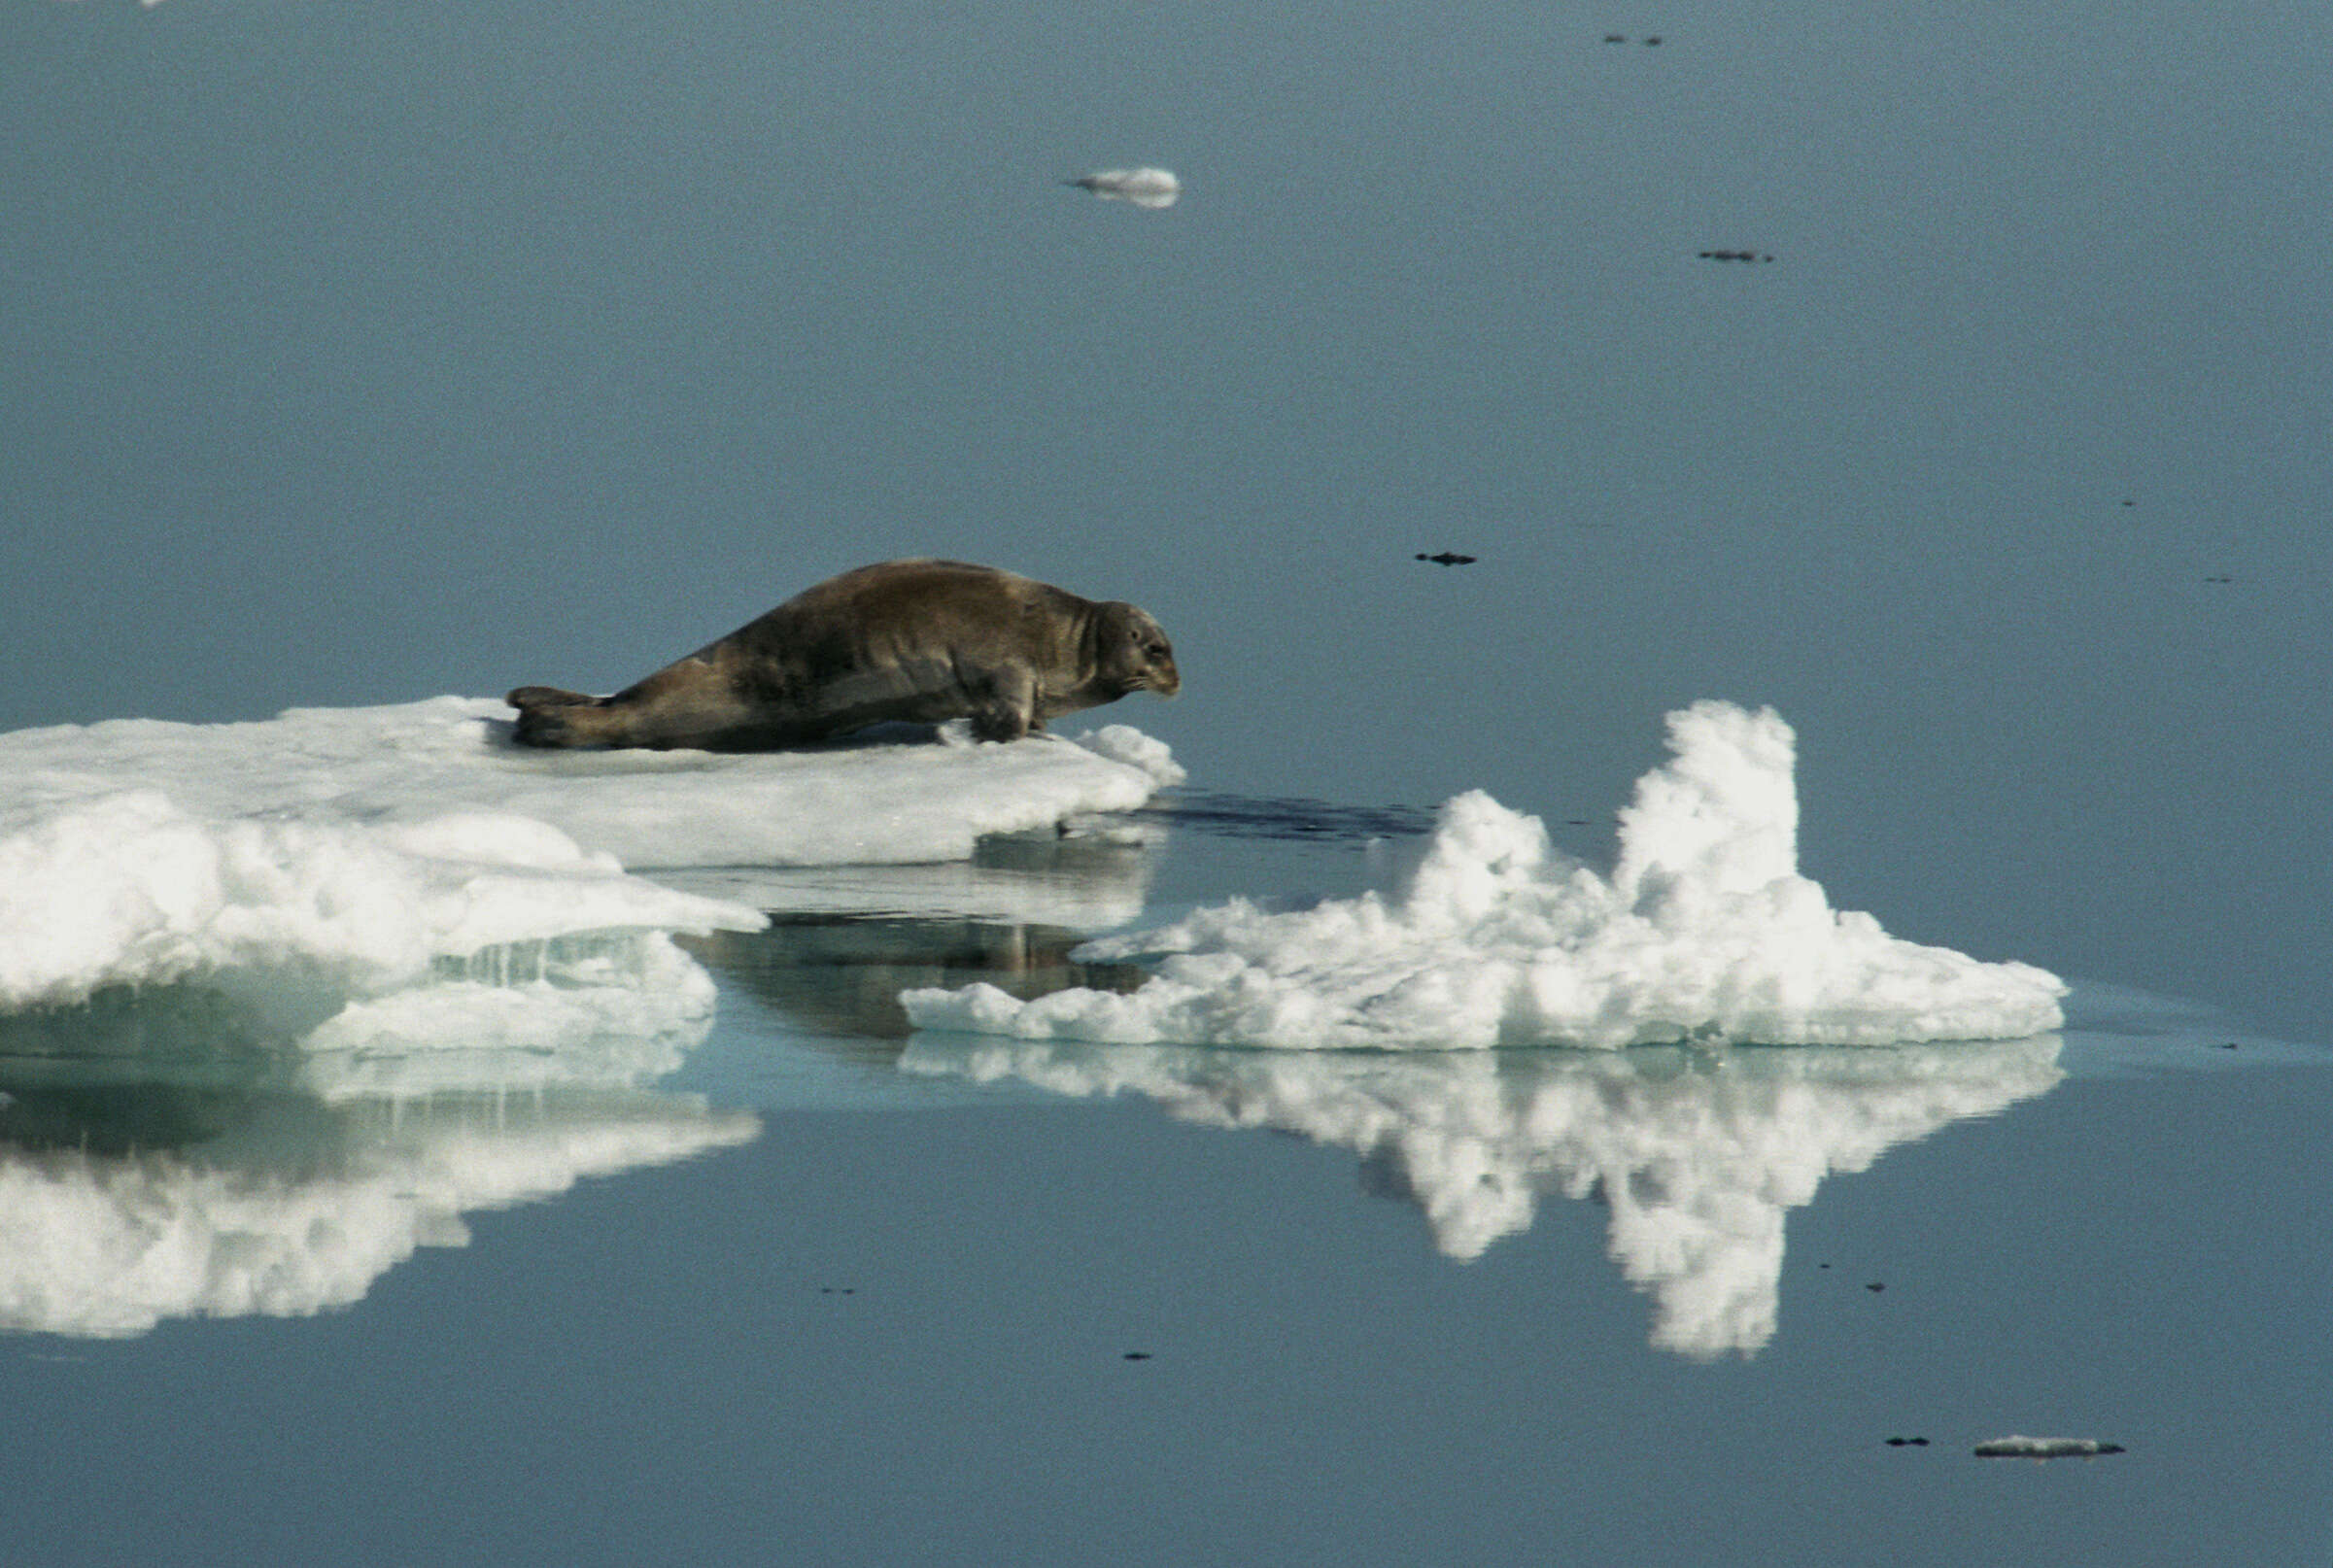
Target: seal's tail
550	716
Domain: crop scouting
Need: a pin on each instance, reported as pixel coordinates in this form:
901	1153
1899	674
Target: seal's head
1131	654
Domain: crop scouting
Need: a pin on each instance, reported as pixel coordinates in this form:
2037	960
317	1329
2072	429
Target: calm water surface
371	352
825	1292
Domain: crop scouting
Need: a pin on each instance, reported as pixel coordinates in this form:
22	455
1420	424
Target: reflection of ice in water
292	1206
1705	931
255	1146
1696	1156
411	956
1144	187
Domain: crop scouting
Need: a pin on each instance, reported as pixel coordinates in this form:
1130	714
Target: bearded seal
916	641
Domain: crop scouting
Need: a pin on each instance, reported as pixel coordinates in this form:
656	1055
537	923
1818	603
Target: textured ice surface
2033	1448
1144	187
420	873
1703	932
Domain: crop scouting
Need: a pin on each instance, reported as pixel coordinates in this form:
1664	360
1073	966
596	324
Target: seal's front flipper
1006	709
999	721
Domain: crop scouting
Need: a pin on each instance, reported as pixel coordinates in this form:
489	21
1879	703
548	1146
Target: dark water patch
1286	819
841	975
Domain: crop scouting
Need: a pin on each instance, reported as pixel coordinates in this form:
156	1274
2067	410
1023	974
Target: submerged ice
1703	932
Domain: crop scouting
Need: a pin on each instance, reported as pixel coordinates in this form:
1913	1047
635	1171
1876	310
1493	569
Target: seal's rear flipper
550	716
545	697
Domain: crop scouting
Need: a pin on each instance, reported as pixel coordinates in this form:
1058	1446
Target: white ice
372	872
1704	932
1697	1166
2034	1448
1145	187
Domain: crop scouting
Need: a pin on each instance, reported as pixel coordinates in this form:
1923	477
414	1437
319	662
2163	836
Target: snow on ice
1704	932
336	865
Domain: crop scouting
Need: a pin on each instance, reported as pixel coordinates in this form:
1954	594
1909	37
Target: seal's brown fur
919	641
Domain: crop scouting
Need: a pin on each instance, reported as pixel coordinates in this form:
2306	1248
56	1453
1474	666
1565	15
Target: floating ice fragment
1704	933
1143	187
2032	1448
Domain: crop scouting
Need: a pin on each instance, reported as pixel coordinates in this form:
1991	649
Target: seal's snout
1135	652
1158	671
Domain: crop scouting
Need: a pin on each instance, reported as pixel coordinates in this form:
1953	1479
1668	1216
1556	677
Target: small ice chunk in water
2033	1448
1144	187
1704	933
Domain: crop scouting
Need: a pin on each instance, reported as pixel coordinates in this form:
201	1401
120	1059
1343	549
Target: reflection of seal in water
918	641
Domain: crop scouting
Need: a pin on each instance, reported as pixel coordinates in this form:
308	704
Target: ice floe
1144	187
2033	1448
360	874
1703	932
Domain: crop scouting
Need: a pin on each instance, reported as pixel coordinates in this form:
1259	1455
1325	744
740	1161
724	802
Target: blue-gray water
1657	1306
361	354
